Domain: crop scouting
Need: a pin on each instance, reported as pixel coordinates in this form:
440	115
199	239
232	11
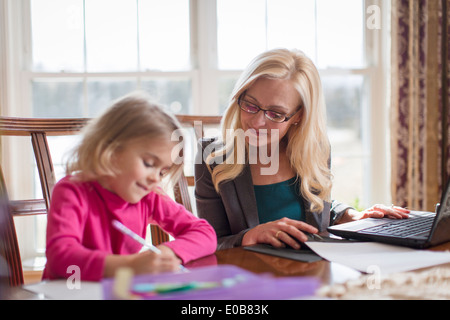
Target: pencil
119	226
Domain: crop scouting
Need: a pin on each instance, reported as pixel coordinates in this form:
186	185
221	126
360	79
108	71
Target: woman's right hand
279	233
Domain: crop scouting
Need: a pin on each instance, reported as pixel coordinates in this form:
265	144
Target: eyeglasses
269	114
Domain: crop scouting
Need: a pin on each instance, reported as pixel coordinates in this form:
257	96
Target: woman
269	179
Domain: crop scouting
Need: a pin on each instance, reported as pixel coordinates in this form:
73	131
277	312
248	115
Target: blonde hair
130	118
308	147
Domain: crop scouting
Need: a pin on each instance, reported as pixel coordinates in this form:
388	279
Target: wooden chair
198	124
181	189
38	130
11	265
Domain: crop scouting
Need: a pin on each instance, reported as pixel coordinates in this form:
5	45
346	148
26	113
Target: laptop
421	230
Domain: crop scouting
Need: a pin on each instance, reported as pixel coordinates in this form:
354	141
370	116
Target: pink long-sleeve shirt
80	231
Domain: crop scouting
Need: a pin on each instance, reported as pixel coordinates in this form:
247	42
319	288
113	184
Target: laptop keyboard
403	228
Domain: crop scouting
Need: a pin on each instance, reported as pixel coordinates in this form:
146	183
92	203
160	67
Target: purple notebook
223	282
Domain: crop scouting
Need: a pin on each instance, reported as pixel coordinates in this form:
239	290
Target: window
334	35
85	64
188	54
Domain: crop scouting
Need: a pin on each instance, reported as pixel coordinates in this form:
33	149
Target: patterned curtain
420	117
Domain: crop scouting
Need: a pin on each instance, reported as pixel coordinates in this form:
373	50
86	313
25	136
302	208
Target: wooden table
328	272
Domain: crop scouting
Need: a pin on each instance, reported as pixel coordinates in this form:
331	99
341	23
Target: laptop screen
441	227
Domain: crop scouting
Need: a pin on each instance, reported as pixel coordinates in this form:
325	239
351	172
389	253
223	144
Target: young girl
114	174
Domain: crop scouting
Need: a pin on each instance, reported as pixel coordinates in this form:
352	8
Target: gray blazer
233	211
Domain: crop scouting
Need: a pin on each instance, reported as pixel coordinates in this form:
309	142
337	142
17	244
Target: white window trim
379	43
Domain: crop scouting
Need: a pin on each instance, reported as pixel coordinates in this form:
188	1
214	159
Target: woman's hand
376	211
279	233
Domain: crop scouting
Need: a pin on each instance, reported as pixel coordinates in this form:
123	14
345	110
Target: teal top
279	200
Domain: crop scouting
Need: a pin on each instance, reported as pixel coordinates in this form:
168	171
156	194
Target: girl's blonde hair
130	118
307	143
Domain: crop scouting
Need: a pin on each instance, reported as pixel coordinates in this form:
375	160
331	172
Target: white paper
370	257
61	290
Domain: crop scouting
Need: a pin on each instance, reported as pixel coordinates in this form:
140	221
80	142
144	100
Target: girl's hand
150	262
279	233
143	262
377	211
